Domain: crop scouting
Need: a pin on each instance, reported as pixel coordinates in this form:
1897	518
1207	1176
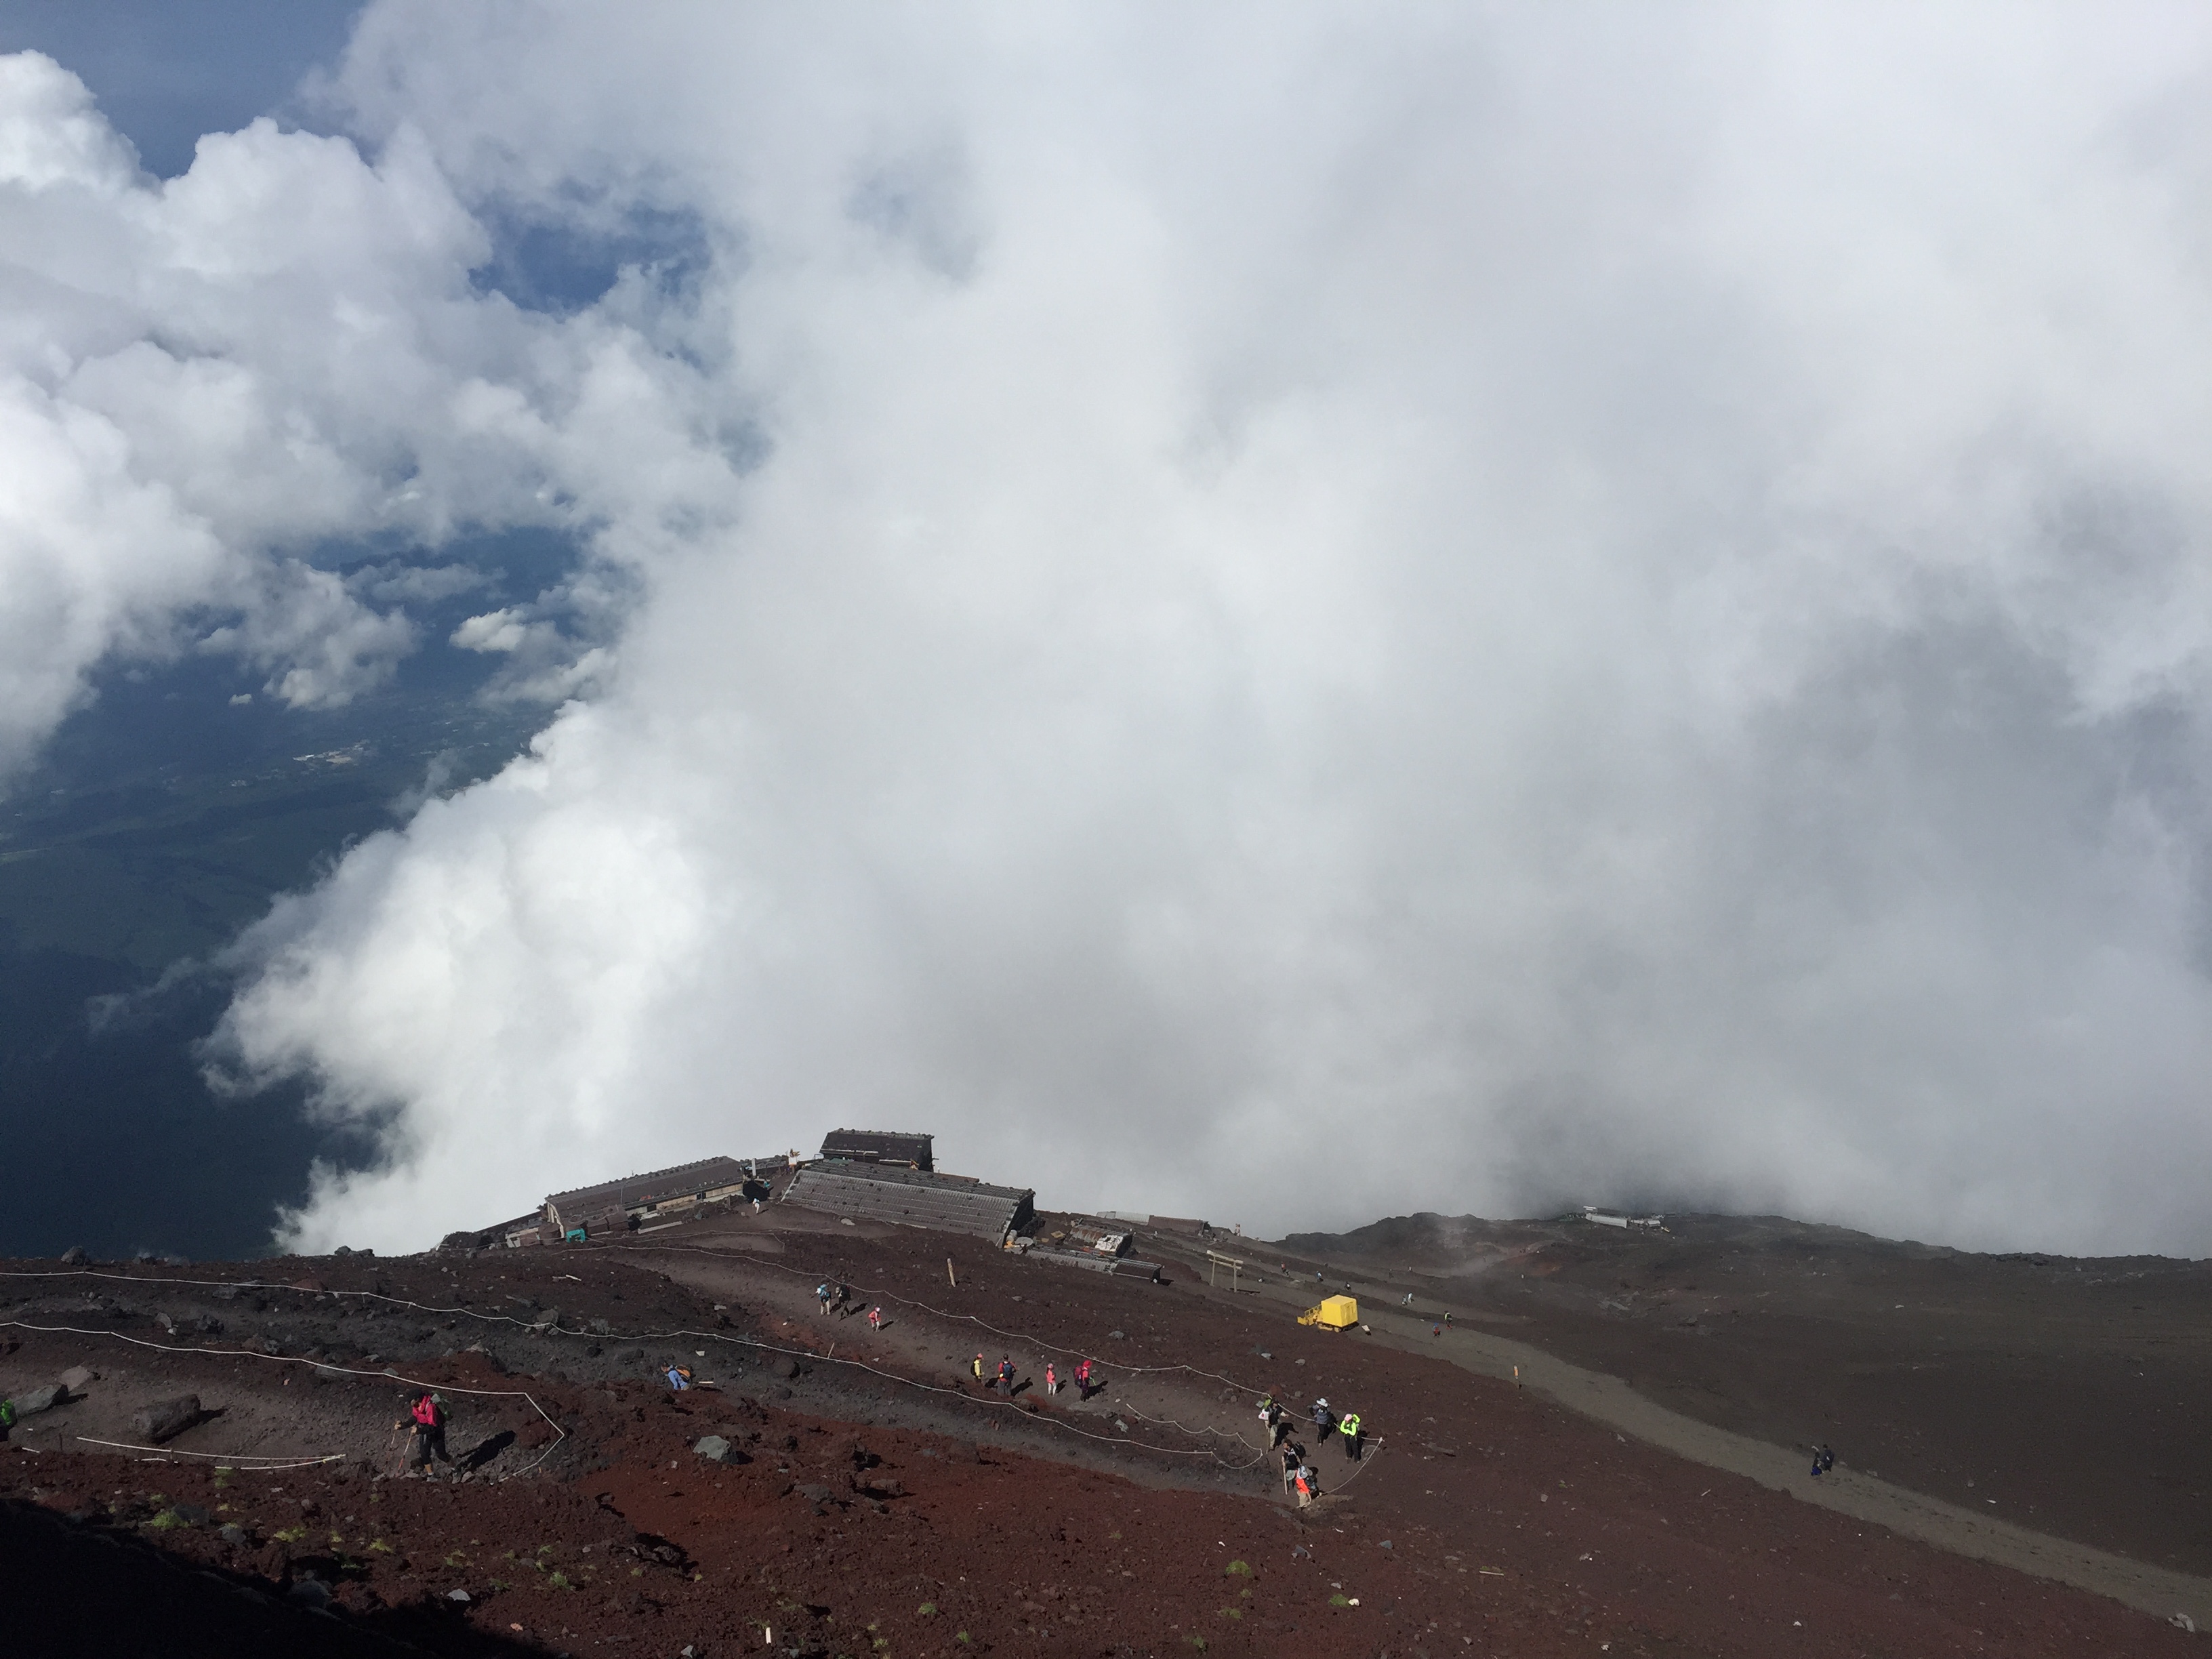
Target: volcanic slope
874	1498
2074	1397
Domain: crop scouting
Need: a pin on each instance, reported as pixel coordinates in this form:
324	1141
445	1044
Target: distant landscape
161	819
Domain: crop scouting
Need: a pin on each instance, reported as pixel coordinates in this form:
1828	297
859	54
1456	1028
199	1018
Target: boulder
74	1257
714	1448
165	1419
232	1534
77	1377
39	1399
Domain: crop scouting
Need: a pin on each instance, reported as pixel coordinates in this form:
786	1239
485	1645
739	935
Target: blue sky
166	72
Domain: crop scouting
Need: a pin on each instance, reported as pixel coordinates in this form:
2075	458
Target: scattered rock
190	1514
313	1592
461	1596
2183	1621
783	1365
813	1493
39	1399
714	1448
78	1377
164	1419
75	1256
232	1534
600	1328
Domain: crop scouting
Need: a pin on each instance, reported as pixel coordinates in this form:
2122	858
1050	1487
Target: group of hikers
1298	1474
839	1300
1005	1377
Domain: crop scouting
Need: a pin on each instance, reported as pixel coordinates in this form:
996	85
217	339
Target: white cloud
201	380
1285	615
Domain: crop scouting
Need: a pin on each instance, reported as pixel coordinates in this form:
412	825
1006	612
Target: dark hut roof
652	1186
881	1146
914	1198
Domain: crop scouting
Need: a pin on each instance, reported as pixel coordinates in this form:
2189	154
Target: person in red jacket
427	1438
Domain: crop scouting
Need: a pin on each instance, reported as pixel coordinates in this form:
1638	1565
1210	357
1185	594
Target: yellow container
1336	1313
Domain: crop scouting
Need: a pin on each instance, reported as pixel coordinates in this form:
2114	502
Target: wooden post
948	1273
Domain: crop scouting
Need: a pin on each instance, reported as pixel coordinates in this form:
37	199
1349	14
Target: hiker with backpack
426	1425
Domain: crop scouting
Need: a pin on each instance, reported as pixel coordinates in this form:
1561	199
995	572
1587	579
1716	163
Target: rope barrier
909	1302
266	1462
547	1327
707	1336
559	1433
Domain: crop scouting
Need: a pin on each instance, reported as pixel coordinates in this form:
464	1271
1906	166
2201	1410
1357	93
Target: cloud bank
1265	614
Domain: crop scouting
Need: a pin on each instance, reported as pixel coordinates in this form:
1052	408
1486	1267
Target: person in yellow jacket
1348	1427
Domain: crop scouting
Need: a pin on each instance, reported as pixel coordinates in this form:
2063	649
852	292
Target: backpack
426	1412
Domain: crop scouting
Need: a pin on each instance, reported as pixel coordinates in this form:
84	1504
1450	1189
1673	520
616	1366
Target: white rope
265	1462
717	1336
908	1302
559	1433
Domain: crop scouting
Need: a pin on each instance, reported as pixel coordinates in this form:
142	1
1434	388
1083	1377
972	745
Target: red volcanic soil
877	1502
